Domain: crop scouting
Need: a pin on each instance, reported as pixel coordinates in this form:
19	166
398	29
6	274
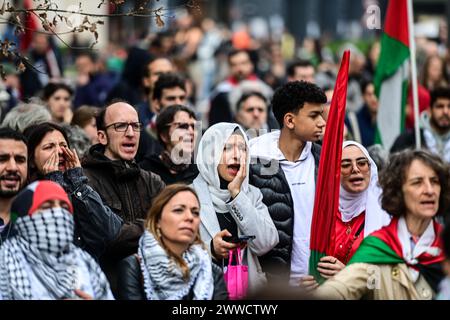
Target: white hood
266	146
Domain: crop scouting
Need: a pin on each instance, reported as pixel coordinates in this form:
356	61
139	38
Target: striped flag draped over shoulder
391	75
326	201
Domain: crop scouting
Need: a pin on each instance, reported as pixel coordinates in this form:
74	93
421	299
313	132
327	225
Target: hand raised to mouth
52	163
235	185
71	156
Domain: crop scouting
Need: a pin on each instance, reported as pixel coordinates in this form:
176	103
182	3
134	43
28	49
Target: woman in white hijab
360	211
230	207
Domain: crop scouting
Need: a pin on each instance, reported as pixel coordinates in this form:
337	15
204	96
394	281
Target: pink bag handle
230	257
238	256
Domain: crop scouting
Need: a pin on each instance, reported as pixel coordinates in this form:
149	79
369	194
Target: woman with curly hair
402	260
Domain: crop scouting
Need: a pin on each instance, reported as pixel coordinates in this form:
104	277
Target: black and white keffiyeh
163	279
43	247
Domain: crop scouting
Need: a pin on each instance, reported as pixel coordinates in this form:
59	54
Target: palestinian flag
326	202
391	74
384	247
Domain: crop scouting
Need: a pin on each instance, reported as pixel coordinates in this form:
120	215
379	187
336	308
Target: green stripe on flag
314	258
393	54
376	251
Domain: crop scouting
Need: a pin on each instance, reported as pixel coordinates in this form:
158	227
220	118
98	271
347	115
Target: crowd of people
138	185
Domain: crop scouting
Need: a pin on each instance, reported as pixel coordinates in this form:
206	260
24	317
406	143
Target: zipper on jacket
129	202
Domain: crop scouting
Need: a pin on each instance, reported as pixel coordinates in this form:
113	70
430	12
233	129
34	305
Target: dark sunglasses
183	125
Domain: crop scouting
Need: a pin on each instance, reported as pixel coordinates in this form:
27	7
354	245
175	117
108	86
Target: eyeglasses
347	166
183	125
123	126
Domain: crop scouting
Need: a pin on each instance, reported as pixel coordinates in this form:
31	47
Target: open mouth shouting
233	169
62	164
356	181
129	147
428	204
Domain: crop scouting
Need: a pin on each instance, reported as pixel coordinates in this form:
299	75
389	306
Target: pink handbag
236	277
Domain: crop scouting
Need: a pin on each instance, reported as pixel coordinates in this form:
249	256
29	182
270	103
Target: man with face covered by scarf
40	262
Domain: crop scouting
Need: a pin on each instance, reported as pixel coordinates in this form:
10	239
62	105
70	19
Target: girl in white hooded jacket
229	205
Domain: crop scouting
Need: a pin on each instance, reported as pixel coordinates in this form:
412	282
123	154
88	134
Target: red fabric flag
31	25
326	201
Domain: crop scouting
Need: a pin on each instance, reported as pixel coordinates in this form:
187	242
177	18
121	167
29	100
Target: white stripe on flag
390	106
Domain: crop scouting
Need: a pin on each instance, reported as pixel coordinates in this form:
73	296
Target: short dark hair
168	81
233	52
35	133
247	95
10	134
364	84
91	55
393	176
51	88
100	118
150	60
167	115
83	115
292	96
295	64
439	92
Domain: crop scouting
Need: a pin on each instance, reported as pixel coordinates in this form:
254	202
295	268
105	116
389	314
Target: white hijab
352	205
208	158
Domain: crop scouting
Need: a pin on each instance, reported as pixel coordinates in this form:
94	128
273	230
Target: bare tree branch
44	8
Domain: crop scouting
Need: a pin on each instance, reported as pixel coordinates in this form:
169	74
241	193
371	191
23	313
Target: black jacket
148	146
128	191
154	164
130	282
96	226
7	232
407	140
278	199
124	186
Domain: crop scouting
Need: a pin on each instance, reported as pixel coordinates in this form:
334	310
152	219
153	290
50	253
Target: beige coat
375	282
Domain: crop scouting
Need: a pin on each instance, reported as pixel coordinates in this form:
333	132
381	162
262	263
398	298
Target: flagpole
412	46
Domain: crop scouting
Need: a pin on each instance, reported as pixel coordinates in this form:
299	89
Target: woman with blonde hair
172	262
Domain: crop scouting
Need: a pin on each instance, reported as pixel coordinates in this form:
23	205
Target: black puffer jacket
154	164
278	199
131	286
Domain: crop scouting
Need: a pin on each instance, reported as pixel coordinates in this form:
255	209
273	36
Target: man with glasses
123	186
177	133
435	127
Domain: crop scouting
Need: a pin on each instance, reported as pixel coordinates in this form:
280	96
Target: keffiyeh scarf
43	246
163	279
